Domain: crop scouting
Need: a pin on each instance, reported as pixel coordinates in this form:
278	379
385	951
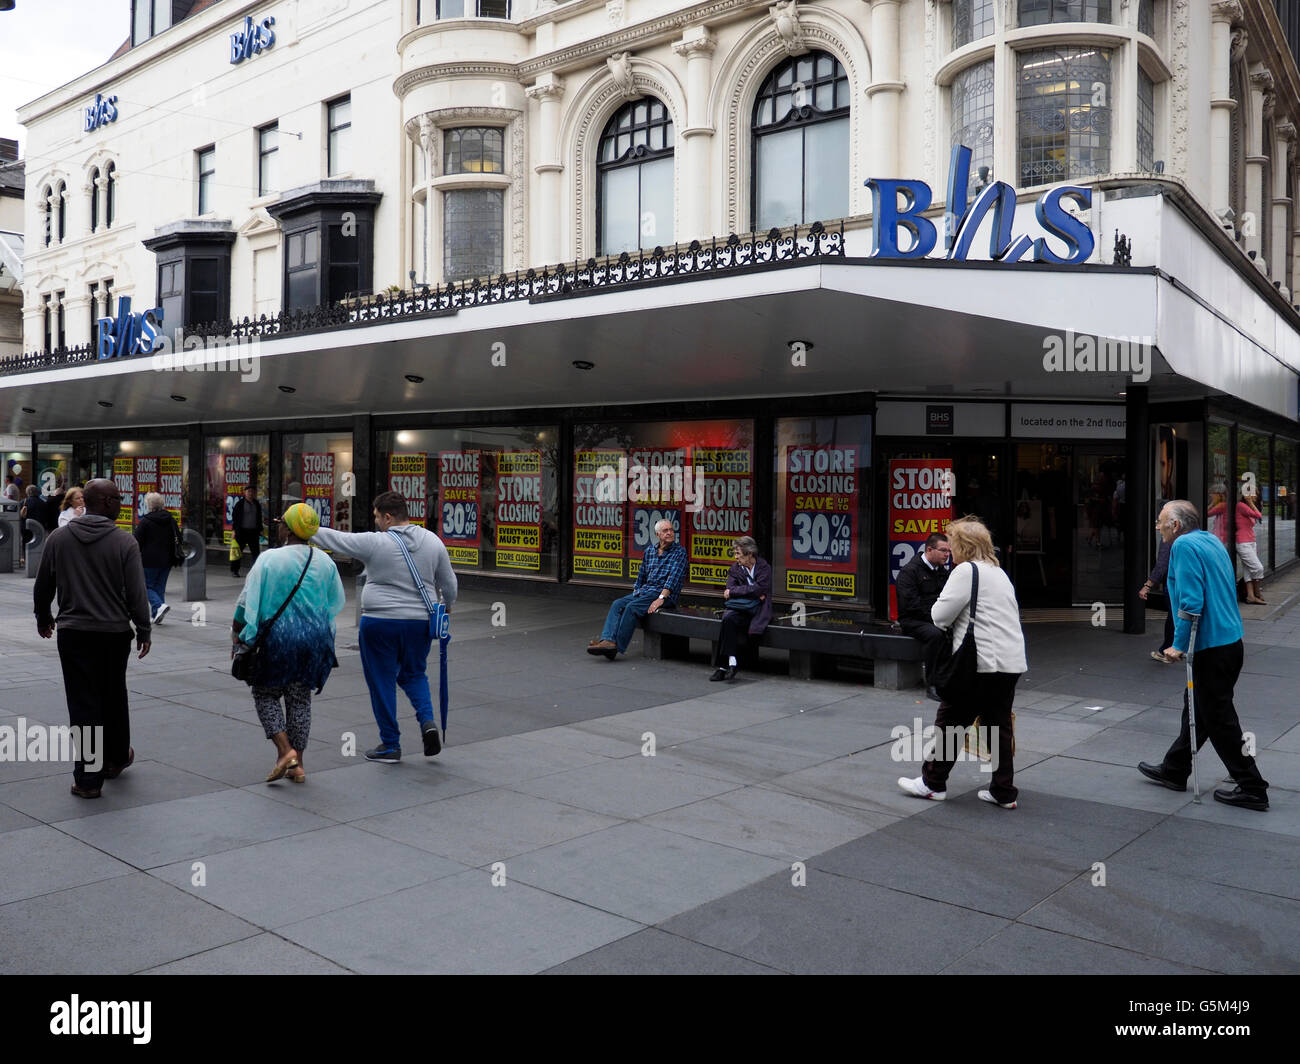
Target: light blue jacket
1201	580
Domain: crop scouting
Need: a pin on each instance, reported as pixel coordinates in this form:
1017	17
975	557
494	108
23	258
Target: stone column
885	87
34	324
1261	101
101	200
76	320
547	91
1280	243
1222	16
695	163
427	142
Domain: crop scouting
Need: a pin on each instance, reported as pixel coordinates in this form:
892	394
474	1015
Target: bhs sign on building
252	40
130	334
101	112
961	221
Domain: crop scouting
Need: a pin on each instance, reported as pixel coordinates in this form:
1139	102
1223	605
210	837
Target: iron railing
551	282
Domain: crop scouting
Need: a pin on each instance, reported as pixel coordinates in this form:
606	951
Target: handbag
743	604
956	667
236	552
246	657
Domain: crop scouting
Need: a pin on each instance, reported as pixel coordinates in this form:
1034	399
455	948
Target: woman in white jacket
1000	652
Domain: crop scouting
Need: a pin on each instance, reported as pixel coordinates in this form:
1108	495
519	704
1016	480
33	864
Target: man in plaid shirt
662	570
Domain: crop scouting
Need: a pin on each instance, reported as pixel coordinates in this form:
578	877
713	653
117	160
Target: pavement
597	817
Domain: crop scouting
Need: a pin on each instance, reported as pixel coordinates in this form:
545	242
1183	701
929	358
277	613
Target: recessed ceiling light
29	410
179	398
415	378
1121	394
104	402
288	389
582	363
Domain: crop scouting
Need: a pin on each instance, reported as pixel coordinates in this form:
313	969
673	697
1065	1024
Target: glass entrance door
1100	502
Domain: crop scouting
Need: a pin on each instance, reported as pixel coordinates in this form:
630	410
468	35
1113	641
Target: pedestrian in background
918	586
1202	583
74	505
246	525
395	633
748	610
1156	582
160	547
94	567
296	652
1000	656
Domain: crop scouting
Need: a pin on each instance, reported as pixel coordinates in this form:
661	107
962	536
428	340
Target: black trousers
931	639
250	538
990	699
94	680
1214	674
735	631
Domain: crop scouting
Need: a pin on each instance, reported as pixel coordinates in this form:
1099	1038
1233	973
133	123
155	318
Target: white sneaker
917	789
987	796
161	613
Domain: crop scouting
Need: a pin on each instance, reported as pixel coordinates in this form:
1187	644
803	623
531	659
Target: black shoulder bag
246	658
955	670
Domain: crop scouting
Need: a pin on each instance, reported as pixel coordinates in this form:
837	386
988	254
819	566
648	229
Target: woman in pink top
1247	515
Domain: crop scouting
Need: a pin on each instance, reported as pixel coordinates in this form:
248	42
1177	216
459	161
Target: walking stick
1191	699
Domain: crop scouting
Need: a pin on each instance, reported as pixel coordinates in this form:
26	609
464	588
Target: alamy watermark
653	484
52	742
207	354
949	743
1068	353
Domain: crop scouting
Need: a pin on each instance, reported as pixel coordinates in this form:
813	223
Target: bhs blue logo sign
888	216
130	334
251	40
101	112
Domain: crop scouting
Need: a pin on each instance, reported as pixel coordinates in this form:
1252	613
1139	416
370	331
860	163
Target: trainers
432	744
917	789
387	754
987	796
161	613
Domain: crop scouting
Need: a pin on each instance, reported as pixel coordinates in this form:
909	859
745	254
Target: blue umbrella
444	637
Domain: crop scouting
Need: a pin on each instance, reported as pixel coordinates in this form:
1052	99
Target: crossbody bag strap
262	634
974	589
415	573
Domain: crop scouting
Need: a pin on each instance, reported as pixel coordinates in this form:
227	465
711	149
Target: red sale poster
318	486
238	470
920	502
146	480
822	507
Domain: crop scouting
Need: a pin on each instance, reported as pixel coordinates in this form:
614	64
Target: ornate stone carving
1180	85
702	45
545	90
1239	40
452	72
1270	99
785	20
1226	11
929	133
620	69
615	12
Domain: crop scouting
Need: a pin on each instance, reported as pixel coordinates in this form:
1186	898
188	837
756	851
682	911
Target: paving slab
1096	781
459	925
511	759
368	789
1022	950
628	788
145	782
264	954
640	872
655	952
38	860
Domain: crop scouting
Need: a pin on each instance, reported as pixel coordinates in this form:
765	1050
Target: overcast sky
47	43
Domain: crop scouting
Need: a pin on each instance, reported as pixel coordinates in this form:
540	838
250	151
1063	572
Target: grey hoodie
95	567
390	592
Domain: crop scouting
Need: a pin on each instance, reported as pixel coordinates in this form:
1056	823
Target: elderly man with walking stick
1203	597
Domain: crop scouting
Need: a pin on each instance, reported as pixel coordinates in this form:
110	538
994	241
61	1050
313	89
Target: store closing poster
821	506
598	513
171	484
459	495
519	510
920	503
238	472
124	478
657	490
723	510
318	486
408	476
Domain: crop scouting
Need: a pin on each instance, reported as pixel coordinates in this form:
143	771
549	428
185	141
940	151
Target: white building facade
264	160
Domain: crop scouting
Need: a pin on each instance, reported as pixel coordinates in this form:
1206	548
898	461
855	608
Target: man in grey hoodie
394	630
95	568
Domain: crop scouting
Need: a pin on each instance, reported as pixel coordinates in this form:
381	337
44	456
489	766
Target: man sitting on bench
918	585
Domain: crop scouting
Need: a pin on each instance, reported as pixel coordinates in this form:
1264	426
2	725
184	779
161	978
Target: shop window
1286	462
318	471
268	159
1043	12
972	20
490	492
473	237
339	136
232	464
1254	486
821	544
635	176
628	476
801	143
1217	516
972	118
1063	112
139	467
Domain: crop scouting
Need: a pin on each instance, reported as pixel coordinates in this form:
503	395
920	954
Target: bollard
195	565
35	546
361	583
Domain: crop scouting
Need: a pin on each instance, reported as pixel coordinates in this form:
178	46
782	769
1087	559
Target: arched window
473	217
1042	12
972	116
94	199
1063	104
60	194
47	214
801	143
971	20
110	197
635	179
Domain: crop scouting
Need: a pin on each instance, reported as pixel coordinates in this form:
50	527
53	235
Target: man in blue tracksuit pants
1201	581
394	630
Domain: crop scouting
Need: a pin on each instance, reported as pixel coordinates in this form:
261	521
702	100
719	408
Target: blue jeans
155	583
623	615
395	652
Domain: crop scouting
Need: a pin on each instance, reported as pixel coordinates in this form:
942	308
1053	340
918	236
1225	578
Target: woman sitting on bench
749	605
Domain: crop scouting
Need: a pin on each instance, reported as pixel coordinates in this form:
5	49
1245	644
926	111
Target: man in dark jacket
95	569
247	521
918	585
159	540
